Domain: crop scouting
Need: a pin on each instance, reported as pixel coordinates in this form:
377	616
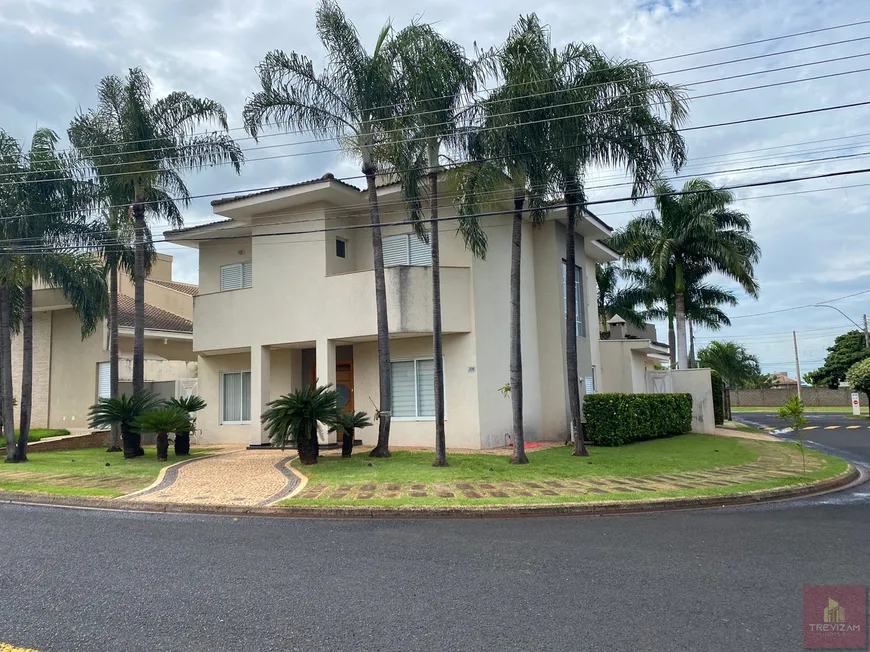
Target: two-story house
286	297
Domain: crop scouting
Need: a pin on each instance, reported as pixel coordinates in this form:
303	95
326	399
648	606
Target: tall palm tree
115	247
624	301
45	245
435	81
507	145
349	101
141	147
613	113
693	227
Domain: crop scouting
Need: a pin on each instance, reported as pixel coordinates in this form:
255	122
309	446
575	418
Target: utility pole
797	363
866	335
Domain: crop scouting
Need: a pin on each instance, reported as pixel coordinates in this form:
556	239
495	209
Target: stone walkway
249	478
773	463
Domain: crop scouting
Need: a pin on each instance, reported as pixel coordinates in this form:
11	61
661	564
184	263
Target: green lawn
685	453
42	433
85	472
652	458
847	409
740	427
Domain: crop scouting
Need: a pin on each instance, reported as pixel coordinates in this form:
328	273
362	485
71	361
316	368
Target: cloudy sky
813	234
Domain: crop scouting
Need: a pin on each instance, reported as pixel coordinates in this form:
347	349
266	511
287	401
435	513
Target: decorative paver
253	478
771	464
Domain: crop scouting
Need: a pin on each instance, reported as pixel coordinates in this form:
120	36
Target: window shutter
231	277
590	385
421	253
104	389
247	275
396	250
425	388
404	390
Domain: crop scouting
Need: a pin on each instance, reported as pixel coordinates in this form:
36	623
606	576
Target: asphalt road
845	440
703	580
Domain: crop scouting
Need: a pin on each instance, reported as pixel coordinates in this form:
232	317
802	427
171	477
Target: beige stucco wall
181	349
208	420
697	383
214	254
460	397
41	370
626	366
161	296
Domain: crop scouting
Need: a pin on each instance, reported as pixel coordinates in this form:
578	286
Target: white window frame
417	390
241	267
100	367
221	406
344	240
579	318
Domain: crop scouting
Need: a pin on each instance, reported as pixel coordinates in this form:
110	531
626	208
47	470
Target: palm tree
733	362
349	101
163	420
605	113
346	423
435	80
694	227
141	148
622	301
190	405
294	418
507	145
125	413
115	248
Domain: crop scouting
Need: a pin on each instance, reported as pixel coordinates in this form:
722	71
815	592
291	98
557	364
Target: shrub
718	397
615	419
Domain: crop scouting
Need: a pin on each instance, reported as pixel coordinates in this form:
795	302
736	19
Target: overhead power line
809	305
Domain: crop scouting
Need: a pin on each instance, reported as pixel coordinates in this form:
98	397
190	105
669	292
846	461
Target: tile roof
326	177
196	226
186	288
155	318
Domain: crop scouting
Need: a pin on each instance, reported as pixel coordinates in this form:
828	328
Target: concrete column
261	372
326	376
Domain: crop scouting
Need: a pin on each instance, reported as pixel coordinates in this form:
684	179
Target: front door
343	385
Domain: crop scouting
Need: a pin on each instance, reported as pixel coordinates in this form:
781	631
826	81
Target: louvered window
104	389
236	397
236	276
413	389
578	296
406	249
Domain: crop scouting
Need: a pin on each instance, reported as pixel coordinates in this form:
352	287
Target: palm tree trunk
571	329
162	446
115	437
682	354
692	364
385	379
26	402
437	343
516	351
139	296
672	337
6	374
347	443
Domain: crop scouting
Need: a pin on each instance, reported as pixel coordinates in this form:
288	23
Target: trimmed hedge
718	397
616	419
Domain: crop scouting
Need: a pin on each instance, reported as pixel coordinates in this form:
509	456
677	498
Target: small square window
340	248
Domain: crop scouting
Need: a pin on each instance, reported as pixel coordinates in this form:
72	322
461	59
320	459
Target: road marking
831	427
814	427
852	427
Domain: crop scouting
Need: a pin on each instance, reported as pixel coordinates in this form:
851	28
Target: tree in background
847	349
350	101
733	362
858	377
141	147
627	302
692	227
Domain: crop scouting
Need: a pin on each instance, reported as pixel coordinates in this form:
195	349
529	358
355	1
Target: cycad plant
162	421
125	412
346	424
294	418
190	405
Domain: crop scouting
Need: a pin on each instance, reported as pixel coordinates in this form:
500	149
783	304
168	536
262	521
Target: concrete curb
852	477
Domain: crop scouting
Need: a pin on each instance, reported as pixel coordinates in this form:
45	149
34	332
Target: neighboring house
627	354
781	379
287	298
69	373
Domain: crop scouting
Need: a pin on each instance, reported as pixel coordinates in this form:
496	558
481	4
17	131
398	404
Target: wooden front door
343	384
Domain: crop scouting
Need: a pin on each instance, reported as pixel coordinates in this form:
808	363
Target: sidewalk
243	478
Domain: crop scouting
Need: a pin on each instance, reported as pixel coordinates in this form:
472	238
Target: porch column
261	371
325	363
